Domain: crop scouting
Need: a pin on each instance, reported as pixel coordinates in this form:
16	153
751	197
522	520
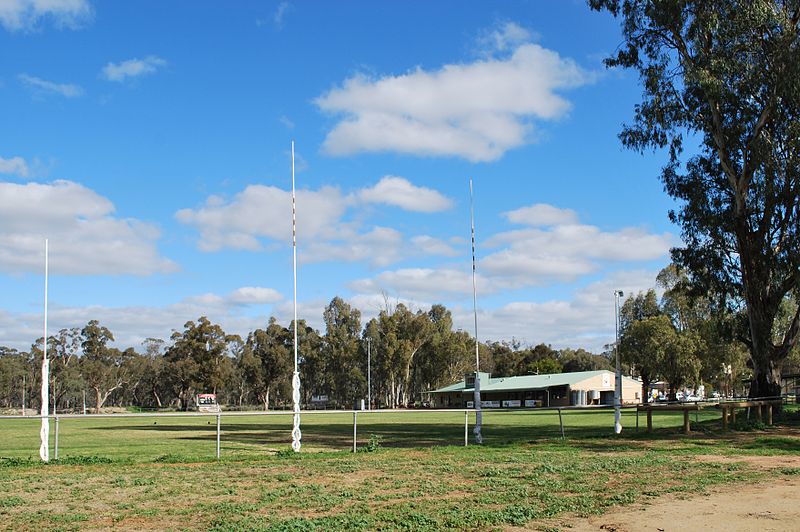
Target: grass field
194	437
140	473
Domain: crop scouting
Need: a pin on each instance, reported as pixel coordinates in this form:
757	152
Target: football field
412	471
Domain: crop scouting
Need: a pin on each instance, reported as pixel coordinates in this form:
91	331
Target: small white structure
207	402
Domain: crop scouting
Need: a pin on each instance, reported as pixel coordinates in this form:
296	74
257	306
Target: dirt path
773	506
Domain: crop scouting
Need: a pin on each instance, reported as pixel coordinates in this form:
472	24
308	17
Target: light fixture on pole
618	380
296	434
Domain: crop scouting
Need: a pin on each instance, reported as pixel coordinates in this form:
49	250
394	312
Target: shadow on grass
402	435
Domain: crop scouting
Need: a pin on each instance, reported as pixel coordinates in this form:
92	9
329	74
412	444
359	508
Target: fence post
561	422
56	449
466	428
355	425
637	419
218	433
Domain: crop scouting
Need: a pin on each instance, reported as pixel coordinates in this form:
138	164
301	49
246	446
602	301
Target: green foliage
374	443
9	502
725	75
82	460
286	452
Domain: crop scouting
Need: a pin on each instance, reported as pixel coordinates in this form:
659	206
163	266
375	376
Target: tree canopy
724	76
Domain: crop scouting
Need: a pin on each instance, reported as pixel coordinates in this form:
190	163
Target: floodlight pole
369	373
44	432
476	396
618	376
296	434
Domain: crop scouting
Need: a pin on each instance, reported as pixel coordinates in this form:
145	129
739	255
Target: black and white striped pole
476	396
296	434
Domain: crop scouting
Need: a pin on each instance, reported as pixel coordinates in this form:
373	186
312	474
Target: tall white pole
44	433
618	374
296	434
369	373
476	397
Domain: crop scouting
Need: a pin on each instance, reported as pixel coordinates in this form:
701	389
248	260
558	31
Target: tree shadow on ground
340	436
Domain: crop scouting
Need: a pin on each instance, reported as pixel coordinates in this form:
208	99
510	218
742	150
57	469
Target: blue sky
150	142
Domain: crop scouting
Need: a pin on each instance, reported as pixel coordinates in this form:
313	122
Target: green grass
150	438
135	474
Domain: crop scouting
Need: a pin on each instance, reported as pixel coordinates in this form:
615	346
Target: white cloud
536	256
542	214
475	111
505	36
132	68
558	248
280	14
324	231
131	325
586	319
429	245
85	237
283	119
254	295
380	246
14	166
397	191
66	90
16	15
418	283
261	211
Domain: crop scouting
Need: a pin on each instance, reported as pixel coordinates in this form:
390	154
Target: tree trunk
97	402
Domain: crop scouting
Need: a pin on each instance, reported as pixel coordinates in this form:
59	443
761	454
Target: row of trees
411	352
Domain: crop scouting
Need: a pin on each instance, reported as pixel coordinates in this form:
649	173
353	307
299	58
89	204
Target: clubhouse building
580	388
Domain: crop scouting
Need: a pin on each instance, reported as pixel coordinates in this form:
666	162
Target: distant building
525	391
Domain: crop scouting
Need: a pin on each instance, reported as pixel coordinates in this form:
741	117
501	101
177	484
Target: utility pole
369	373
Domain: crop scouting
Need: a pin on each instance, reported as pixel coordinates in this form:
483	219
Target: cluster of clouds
26	15
132	325
114	72
86	237
476	111
15	166
584	319
260	215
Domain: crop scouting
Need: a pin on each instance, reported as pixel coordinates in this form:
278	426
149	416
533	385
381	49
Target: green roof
525	382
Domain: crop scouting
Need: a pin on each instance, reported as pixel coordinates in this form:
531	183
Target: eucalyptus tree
197	360
13	373
272	348
644	347
104	368
723	76
341	351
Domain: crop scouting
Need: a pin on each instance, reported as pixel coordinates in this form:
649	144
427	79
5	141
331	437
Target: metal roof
526	382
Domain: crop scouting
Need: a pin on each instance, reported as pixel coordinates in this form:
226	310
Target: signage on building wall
513	403
530	402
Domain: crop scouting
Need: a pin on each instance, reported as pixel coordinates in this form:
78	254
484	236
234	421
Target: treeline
692	337
411	353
